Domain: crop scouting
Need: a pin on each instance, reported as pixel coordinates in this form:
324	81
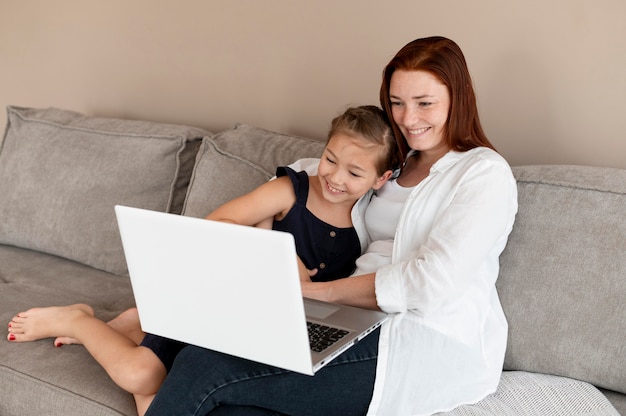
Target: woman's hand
354	291
316	290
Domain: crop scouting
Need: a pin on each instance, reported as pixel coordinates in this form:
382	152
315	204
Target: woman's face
420	104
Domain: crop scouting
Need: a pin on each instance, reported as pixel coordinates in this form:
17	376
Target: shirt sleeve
470	214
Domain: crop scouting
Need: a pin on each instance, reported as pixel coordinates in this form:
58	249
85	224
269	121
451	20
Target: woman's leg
243	411
202	382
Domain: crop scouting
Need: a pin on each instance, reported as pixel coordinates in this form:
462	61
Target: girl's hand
305	274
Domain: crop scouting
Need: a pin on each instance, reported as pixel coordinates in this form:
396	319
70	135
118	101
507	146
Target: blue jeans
204	382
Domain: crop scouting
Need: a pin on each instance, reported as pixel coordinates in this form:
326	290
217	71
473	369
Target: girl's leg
39	323
142	401
126	323
202	382
134	368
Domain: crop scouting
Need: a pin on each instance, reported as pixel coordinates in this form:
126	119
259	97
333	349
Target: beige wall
550	74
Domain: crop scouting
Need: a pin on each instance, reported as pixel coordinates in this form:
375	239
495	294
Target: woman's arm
354	291
453	234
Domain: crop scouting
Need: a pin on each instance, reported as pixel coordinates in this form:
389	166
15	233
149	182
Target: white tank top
381	221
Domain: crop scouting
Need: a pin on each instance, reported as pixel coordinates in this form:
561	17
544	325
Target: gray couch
562	282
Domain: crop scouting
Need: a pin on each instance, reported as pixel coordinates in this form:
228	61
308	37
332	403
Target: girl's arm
266	223
257	207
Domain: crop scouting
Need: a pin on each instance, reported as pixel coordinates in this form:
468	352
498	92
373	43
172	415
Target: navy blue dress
333	251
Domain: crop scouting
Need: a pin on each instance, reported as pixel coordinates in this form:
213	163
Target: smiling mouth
333	190
415	132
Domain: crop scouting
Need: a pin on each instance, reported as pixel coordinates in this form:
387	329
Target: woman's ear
381	180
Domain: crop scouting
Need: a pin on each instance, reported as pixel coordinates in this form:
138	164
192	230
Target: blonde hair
371	124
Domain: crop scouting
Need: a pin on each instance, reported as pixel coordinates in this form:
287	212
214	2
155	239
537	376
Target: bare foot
39	323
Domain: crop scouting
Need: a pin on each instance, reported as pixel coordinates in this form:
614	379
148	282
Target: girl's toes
16	337
15	328
13	337
60	341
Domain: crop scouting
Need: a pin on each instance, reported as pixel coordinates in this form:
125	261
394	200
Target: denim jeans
204	382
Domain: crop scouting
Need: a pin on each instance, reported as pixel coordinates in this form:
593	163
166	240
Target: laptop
233	289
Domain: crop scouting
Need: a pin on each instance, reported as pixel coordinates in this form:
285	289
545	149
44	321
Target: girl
358	157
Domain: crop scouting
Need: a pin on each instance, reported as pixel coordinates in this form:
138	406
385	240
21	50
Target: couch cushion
526	394
562	282
61	173
236	161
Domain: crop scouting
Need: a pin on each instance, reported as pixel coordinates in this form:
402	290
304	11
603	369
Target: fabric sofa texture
60	173
562	282
234	162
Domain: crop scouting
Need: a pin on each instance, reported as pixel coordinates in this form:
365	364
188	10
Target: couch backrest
563	274
236	161
61	173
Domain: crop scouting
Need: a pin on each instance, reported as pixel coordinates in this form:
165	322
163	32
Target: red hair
444	59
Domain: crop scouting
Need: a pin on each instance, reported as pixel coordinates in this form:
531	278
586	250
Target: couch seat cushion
37	378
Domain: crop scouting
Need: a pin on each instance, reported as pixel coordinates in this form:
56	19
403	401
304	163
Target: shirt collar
446	162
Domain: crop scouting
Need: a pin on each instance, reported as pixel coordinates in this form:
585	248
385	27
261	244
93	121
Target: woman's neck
418	165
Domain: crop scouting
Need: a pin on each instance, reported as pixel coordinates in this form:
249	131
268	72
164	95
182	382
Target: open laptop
233	289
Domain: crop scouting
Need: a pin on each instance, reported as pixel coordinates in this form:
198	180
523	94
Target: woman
437	230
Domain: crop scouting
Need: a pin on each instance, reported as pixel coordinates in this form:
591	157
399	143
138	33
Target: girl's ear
381	180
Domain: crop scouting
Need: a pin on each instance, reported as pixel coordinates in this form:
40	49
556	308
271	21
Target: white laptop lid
168	267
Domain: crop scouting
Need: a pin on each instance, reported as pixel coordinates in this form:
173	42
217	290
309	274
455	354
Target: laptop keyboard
322	336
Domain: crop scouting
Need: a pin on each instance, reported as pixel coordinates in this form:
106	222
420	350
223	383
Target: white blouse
445	344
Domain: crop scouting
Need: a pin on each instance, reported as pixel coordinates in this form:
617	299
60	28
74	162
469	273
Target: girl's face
347	169
420	104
